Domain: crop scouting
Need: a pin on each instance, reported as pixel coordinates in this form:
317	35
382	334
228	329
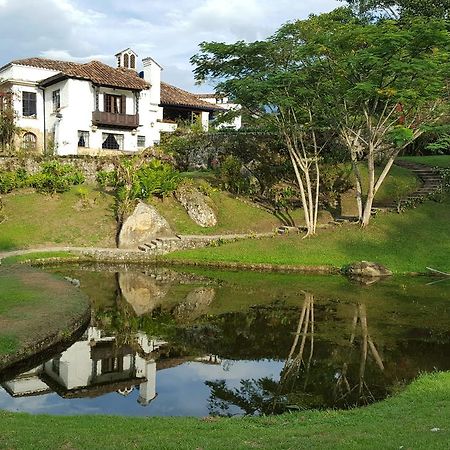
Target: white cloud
167	30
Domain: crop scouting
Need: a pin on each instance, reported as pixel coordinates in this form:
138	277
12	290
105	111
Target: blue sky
167	30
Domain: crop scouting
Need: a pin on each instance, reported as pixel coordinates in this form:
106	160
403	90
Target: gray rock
142	292
195	304
142	226
367	269
196	205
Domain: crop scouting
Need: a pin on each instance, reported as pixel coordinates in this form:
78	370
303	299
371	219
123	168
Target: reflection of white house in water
93	366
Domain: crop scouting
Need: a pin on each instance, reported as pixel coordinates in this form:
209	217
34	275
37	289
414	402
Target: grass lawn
236	216
434	161
33	305
405	242
233	216
33	219
418	418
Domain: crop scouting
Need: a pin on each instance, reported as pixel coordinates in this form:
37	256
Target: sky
167	30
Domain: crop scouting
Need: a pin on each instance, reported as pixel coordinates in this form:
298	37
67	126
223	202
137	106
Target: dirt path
111	253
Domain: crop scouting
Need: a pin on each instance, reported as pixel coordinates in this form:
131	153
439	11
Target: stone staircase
430	178
164	245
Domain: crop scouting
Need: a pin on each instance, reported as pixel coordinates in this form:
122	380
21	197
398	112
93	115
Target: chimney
152	74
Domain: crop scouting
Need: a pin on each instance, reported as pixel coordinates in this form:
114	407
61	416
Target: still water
193	343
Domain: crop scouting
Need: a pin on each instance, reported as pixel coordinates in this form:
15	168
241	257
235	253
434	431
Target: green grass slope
405	242
233	216
434	161
32	219
34	305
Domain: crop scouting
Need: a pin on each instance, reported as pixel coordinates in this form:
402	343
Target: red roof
94	71
173	96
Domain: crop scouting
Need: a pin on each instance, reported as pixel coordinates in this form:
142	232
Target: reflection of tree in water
296	388
360	392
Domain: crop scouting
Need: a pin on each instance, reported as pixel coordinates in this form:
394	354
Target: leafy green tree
388	84
376	84
272	80
400	8
8	128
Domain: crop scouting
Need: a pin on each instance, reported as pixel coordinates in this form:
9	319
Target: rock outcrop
196	205
142	226
195	304
367	269
142	292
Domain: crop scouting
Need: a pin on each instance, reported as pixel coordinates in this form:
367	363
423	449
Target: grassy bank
33	306
233	216
76	218
417	418
433	161
407	242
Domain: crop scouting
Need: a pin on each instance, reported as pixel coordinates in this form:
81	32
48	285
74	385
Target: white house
223	102
92	108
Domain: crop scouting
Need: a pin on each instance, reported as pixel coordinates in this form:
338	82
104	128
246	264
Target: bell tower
127	59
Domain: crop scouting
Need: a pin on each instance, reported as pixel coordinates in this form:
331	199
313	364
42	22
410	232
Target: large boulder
195	304
367	269
142	226
196	205
142	292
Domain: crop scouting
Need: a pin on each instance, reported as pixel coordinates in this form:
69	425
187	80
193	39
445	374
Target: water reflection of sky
181	392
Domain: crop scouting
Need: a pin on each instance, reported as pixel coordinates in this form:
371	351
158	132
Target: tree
377	84
401	8
388	83
8	128
271	79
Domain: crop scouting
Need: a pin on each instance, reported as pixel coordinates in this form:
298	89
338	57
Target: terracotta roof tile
94	71
173	96
44	63
208	95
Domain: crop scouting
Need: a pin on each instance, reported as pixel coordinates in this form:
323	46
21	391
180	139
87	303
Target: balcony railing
115	120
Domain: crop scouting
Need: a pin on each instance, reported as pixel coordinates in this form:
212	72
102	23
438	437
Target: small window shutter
123	103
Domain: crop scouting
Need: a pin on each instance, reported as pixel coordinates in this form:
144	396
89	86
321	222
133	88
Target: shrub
106	178
10	180
231	177
136	179
56	177
155	178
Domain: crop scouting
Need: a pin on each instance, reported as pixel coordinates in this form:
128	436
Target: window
111	365
114	104
125	60
141	141
83	138
56	365
112	141
29	142
132	62
29	104
56	98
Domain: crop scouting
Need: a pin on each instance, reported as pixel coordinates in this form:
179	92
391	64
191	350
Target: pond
196	343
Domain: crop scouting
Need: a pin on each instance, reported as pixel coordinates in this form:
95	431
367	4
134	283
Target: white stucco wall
77	99
149	113
77	105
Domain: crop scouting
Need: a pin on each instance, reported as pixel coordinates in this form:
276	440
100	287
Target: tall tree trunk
371	189
358	186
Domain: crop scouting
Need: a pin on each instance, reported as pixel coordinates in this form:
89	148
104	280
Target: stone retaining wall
88	165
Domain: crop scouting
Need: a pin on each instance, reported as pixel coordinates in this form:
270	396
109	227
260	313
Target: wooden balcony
115	120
